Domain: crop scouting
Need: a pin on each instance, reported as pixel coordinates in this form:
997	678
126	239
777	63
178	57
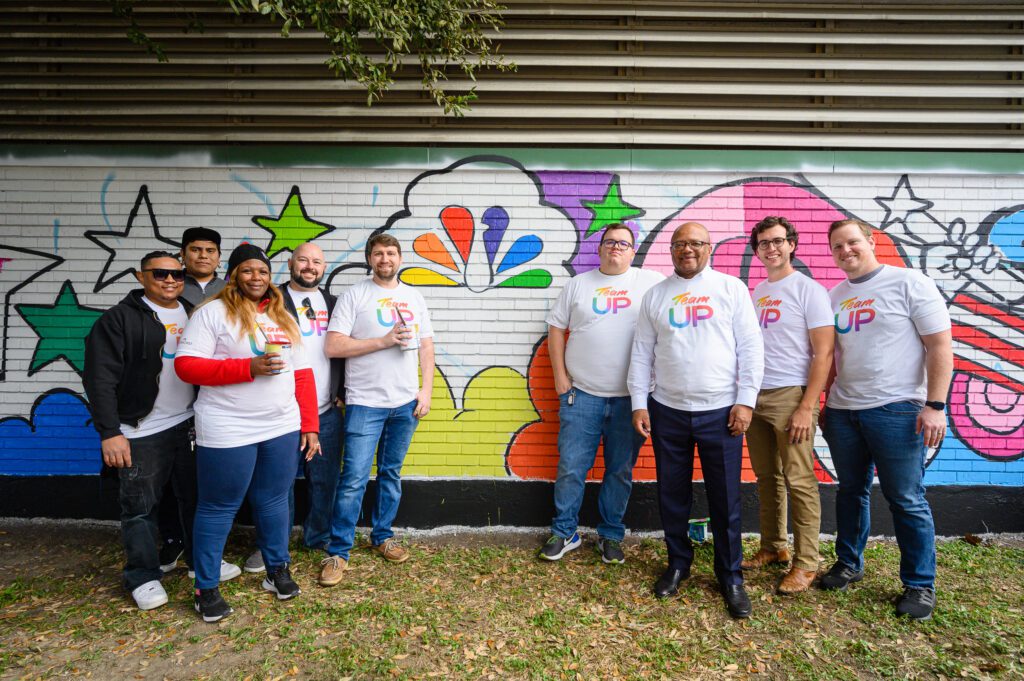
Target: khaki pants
781	466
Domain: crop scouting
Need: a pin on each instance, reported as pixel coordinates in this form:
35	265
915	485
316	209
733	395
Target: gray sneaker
916	603
611	551
839	577
254	563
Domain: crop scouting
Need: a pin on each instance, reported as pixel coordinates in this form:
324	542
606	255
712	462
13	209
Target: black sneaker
279	580
611	551
170	553
211	606
839	577
556	547
916	603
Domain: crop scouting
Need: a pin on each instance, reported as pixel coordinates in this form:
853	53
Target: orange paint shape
458	222
533	453
431	248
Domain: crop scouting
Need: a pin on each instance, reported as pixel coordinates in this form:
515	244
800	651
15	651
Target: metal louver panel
797	74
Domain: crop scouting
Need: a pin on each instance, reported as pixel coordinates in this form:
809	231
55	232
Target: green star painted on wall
61	327
610	209
293	227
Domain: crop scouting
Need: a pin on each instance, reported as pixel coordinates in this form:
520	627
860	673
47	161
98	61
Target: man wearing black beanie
200	253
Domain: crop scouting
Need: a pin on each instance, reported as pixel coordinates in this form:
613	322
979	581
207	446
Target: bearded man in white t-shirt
886	407
381	327
795	317
694	374
312	305
599	310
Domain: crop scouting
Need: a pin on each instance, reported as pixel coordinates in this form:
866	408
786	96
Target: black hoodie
123	363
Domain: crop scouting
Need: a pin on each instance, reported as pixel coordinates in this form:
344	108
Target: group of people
696	360
222	389
208	391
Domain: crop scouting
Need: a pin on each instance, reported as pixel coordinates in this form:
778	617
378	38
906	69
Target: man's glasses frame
694	245
777	242
621	243
310	312
161	273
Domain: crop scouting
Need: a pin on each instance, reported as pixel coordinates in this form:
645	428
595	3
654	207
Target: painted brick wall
492	239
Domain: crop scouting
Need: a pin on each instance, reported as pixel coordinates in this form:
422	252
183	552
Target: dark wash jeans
156	459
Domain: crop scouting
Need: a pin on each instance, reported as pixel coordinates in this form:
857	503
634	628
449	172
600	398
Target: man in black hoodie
143	413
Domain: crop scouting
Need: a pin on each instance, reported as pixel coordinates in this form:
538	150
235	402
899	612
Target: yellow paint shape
419	276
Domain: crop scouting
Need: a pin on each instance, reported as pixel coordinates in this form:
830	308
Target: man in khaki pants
797	324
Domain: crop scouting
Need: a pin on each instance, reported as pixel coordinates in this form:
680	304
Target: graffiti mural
490	240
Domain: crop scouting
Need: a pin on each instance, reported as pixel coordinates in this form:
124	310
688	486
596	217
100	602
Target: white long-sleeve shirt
697	345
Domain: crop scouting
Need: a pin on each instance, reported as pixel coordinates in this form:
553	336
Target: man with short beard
312	307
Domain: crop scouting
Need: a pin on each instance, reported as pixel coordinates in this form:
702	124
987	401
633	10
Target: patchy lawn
477	609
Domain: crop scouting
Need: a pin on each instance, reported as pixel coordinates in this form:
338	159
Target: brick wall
515	226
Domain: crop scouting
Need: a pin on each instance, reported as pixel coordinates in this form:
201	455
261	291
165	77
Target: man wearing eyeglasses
143	413
795	317
694	374
599	309
312	306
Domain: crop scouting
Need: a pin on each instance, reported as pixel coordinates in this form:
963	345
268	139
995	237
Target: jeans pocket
904	408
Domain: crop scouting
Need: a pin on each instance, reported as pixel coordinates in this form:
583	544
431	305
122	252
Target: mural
491	242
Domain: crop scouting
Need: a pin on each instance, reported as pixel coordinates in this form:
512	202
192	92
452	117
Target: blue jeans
159	461
265	471
582	425
882	439
368	431
322	473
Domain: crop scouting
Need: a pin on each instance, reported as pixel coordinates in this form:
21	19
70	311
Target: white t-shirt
879	324
241	413
386	378
314	333
600	312
700	338
174	397
786	310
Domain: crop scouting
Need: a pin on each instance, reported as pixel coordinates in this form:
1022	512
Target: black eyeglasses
310	312
612	243
159	273
776	243
683	245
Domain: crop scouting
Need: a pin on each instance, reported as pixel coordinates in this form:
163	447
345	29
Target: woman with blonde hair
256	410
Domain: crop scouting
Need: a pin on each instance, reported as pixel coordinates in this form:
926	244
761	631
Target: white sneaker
228	571
150	595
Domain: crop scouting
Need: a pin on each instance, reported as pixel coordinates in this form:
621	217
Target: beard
297	277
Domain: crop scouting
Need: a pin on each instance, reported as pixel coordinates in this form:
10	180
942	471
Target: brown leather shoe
797	580
332	570
392	551
765	557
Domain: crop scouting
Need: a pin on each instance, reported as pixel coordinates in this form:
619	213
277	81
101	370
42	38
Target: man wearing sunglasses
694	374
143	413
598	309
796	321
312	306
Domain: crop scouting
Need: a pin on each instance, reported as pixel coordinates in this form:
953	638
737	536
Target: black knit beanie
245	252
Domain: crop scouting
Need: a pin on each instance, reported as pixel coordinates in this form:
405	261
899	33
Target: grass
459	612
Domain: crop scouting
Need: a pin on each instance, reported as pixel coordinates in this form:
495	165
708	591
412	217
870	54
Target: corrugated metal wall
792	74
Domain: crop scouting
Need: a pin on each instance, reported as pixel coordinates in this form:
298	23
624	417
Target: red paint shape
458	222
533	453
4	260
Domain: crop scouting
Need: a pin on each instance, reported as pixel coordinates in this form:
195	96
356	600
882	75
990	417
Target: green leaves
371	41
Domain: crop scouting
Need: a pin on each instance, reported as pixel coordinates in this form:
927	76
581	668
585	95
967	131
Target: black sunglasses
159	273
310	312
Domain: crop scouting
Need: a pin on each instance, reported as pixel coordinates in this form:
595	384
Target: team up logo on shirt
174	332
273	334
768	310
391	312
316	326
855	314
695	309
607	299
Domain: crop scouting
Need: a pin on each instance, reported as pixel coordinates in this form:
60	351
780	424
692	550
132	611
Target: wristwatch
937	406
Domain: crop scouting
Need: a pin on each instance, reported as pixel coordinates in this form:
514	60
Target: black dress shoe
736	601
668	584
